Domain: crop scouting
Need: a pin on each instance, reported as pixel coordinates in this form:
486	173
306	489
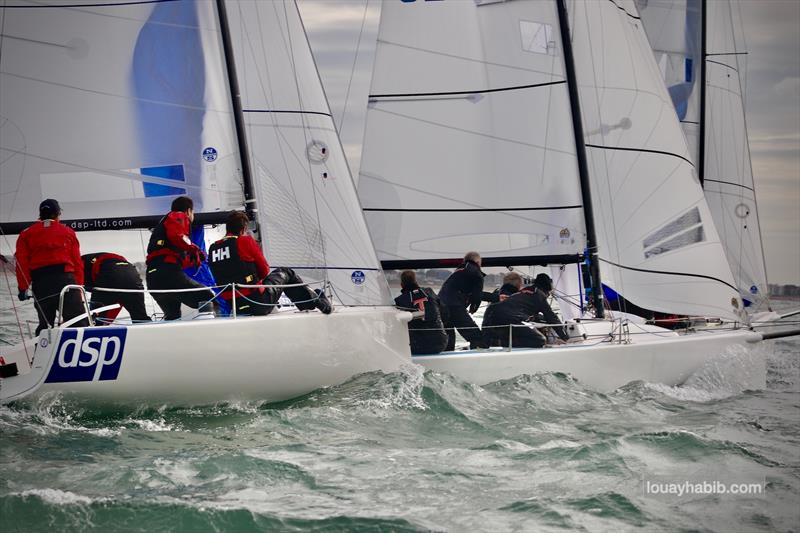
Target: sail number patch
88	355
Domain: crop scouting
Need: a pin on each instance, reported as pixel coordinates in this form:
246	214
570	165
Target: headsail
656	237
113	108
727	173
308	211
467	143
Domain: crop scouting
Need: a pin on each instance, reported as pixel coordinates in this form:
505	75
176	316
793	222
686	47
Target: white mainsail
656	238
113	109
308	211
728	176
467	142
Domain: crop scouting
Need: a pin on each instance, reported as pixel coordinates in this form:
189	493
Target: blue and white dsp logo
88	355
358	277
210	154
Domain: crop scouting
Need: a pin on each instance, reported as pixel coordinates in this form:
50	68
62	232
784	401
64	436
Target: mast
701	150
583	168
238	115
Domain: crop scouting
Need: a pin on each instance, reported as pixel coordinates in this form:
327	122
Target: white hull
270	358
655	356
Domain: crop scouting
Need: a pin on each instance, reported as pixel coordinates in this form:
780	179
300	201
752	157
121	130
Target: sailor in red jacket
48	259
237	258
106	270
169	251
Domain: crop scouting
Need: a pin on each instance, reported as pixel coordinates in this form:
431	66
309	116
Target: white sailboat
542	133
117	107
699	48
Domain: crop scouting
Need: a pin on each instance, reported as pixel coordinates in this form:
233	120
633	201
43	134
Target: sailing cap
49	209
544	282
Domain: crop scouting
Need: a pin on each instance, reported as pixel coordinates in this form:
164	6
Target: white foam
737	369
57	497
153	425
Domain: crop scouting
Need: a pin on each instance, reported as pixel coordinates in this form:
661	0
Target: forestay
657	242
113	108
308	211
468	143
674	31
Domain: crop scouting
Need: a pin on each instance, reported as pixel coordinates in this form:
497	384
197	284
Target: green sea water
416	451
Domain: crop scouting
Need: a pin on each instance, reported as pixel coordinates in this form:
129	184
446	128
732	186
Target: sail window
683	231
536	37
684	239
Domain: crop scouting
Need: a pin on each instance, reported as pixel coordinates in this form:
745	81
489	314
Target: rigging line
353	68
462	58
728	54
644	150
458	210
689	122
685	274
301	267
288	111
472	132
450	199
731	183
122	3
478	91
119	96
625	10
116	173
722	64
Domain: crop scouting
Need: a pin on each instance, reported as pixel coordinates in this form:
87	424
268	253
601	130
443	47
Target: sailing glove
23	295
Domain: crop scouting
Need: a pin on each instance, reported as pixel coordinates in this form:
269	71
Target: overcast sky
772	31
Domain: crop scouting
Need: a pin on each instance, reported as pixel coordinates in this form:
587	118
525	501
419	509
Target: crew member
426	333
463	289
169	251
105	270
49	259
237	258
527	304
512	284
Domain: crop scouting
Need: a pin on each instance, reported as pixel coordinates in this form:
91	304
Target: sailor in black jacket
463	289
526	305
426	333
512	284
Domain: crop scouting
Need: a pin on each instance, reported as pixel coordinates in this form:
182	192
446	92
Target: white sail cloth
308	211
674	31
468	142
114	110
656	238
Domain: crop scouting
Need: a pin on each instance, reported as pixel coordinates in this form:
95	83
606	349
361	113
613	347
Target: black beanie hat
49	209
544	282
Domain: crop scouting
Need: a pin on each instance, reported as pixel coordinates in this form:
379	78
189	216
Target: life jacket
159	248
97	262
417	298
228	267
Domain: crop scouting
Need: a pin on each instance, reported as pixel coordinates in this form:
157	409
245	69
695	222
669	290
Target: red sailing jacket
47	243
171	240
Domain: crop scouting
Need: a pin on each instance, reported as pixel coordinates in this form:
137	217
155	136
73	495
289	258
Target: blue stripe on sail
170	172
168	78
